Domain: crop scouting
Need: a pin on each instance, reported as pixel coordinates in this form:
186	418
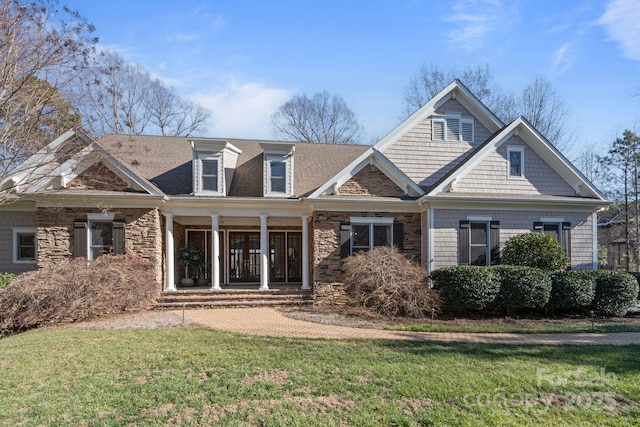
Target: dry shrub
385	281
77	289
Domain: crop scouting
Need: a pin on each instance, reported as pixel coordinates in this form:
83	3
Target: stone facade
329	294
98	177
327	264
370	181
143	235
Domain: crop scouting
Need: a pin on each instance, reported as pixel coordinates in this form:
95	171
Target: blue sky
243	59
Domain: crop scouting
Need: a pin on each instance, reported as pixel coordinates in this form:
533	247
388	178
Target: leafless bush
77	289
385	281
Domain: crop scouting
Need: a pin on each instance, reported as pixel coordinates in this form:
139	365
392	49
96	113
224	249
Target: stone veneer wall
98	177
143	234
370	181
327	265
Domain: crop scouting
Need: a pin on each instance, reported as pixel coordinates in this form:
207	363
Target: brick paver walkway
271	322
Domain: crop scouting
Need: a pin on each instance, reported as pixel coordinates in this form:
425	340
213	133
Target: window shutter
453	129
467	130
538	227
118	237
437	130
463	242
345	240
566	238
494	238
398	235
80	236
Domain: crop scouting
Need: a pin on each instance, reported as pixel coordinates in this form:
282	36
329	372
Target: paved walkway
271	322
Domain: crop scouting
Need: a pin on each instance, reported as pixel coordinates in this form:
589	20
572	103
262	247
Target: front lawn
193	376
516	327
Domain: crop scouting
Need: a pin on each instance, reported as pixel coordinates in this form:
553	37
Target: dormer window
213	164
278	169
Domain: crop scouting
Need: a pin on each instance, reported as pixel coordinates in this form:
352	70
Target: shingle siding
512	222
491	176
8	221
426	161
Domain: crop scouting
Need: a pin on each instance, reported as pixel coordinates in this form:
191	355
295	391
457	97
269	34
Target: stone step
229	304
235	298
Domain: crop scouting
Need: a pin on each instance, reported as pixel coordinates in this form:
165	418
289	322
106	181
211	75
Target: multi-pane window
479	242
556	228
209	175
515	157
277	176
24	245
101	238
365	236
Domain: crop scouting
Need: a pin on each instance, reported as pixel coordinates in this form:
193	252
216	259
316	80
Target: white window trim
91	218
24	230
521	151
444	128
200	191
476	218
487	224
371	222
288	175
445	123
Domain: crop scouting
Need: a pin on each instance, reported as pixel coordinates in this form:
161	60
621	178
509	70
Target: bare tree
40	56
122	98
323	118
538	102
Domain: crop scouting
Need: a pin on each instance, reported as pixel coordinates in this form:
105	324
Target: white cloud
562	59
476	20
621	21
241	109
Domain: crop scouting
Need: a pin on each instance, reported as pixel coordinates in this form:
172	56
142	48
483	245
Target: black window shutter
566	238
345	240
494	238
538	227
398	235
118	237
463	241
80	236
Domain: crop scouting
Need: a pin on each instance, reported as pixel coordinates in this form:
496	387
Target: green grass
193	376
514	328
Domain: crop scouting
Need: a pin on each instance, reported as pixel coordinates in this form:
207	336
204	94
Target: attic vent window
452	127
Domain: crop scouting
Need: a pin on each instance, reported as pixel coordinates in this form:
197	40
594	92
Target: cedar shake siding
8	221
426	161
370	181
327	259
491	176
512	222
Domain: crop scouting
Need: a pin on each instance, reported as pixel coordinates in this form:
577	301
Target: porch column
215	252
264	253
170	284
305	252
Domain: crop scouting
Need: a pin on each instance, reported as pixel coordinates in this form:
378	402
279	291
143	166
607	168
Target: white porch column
170	284
264	253
215	252
305	252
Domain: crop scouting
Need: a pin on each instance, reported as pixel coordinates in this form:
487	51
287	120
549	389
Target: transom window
209	175
452	127
24	245
515	157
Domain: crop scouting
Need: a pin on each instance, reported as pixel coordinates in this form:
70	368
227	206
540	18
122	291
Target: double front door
244	257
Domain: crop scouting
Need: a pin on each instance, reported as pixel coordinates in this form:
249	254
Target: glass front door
244	257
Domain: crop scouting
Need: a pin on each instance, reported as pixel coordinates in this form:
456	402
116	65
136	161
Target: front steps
172	300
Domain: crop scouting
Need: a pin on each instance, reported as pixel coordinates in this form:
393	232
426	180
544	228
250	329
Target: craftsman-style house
446	187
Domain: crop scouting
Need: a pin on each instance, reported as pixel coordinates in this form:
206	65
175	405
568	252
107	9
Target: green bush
523	287
572	291
534	250
637	276
466	288
616	292
6	278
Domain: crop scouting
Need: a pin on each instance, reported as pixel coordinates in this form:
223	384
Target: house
447	187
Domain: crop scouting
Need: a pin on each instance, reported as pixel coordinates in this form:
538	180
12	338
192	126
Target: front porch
239	253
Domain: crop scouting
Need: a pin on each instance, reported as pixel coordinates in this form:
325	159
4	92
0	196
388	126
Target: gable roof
522	128
166	162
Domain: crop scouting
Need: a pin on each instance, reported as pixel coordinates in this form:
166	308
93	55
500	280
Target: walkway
271	322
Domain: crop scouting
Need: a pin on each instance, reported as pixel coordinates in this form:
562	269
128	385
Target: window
364	234
479	242
452	128
515	157
101	238
24	245
97	235
277	176
556	228
209	175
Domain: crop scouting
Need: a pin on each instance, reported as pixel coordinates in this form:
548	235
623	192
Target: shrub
6	279
466	288
572	291
386	282
77	289
616	292
523	287
534	250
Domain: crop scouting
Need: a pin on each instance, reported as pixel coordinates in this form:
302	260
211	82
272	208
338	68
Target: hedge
616	292
572	292
466	288
523	288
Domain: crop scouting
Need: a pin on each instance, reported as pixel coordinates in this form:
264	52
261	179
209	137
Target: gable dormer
214	162
277	168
